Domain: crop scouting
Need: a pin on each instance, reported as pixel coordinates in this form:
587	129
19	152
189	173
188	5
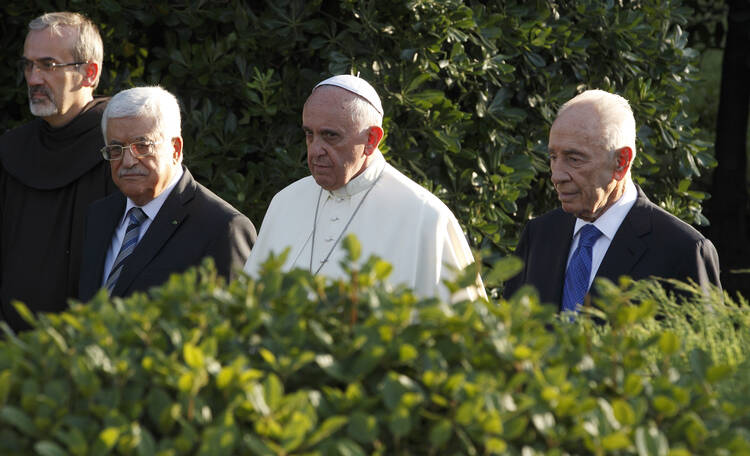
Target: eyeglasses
139	149
46	65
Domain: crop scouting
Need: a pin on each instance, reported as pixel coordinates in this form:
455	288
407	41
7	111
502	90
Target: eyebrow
324	130
115	142
565	151
40	58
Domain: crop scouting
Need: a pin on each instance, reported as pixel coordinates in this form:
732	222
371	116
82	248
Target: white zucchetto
357	86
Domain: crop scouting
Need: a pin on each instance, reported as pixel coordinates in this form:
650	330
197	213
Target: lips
319	170
566	196
38	92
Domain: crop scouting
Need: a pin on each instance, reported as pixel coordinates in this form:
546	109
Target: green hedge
295	364
469	88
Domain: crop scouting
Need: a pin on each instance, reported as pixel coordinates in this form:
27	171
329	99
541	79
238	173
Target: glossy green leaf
328	428
193	356
623	412
616	441
15	417
48	448
362	428
669	343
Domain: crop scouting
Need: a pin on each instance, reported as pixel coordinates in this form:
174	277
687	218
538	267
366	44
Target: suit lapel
561	241
169	218
627	247
100	237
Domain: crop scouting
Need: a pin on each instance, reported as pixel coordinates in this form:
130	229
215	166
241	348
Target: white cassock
392	216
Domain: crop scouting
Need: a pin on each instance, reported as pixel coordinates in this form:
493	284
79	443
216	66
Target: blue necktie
579	269
136	217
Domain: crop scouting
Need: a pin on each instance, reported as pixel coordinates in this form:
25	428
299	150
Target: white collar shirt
608	223
150	209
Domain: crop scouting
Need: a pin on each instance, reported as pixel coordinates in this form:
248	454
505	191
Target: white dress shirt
608	223
150	209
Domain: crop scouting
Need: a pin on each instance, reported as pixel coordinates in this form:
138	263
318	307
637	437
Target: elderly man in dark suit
606	227
162	221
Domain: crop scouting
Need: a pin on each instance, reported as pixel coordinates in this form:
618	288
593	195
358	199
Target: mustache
38	89
132	172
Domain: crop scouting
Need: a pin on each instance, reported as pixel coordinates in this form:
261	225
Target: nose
559	174
315	147
128	159
34	77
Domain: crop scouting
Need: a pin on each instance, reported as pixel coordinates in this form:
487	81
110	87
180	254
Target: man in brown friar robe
51	168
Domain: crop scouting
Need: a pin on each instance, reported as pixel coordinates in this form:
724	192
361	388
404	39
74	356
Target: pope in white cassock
353	190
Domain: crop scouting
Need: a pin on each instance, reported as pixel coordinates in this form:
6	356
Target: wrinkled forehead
577	128
132	127
329	104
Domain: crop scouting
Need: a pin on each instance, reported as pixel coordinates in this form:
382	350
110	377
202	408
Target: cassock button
338	200
334	219
329	239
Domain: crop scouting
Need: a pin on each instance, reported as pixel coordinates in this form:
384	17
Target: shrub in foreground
296	364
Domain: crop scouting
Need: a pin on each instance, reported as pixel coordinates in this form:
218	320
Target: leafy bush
469	88
296	364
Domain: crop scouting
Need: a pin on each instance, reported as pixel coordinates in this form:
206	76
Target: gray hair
616	121
150	102
88	43
363	113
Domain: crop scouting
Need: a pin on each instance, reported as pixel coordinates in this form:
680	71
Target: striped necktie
136	217
579	269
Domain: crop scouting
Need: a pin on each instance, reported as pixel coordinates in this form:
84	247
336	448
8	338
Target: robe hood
47	158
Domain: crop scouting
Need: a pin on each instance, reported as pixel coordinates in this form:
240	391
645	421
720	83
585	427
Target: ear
91	71
374	135
623	159
177	150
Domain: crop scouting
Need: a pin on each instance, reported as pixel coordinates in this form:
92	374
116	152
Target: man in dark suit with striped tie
162	221
607	227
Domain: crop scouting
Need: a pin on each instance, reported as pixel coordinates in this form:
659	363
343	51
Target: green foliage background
469	89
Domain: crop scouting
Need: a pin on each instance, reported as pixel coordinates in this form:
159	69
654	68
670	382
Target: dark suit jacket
192	224
650	243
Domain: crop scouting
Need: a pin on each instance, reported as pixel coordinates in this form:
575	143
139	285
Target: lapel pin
174	222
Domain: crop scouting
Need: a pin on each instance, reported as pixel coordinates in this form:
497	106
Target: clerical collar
364	180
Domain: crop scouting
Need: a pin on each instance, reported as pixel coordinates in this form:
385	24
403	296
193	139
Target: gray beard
43	108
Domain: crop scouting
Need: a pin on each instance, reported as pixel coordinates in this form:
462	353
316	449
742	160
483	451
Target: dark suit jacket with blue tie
192	224
649	243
